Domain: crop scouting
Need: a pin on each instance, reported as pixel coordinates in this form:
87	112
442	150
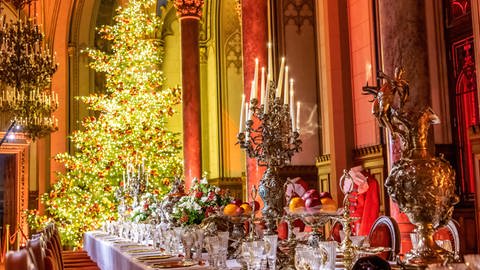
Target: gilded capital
189	8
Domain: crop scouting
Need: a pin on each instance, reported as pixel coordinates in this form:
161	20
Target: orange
247	208
296	203
328	204
230	209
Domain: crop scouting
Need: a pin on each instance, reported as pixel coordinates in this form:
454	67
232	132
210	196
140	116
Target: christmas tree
129	127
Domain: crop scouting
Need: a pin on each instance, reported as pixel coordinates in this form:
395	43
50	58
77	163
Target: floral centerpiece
202	201
147	209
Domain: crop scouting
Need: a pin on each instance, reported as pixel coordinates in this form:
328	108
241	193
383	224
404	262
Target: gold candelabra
272	143
26	68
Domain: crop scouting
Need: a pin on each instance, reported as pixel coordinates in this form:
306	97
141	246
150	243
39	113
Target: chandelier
26	69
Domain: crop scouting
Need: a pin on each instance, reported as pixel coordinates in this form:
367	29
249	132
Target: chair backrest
37	249
450	232
19	260
385	233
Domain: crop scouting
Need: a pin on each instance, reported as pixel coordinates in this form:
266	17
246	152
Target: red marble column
404	43
254	35
189	13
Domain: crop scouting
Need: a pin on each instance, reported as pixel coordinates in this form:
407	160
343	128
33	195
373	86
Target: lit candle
255	81
267	96
285	89
270	60
292	107
297	125
247	135
280	79
368	72
262	87
242	110
252	91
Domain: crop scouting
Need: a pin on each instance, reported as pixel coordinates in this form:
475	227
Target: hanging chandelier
26	69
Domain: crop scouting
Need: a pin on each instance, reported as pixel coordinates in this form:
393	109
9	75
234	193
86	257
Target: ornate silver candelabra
270	139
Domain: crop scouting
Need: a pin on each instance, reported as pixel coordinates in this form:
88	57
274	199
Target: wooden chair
55	259
450	232
385	233
19	260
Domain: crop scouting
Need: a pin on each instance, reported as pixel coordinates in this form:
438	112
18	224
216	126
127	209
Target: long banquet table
107	253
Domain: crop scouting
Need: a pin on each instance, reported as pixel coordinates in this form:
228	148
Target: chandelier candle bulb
285	93
262	87
280	79
242	110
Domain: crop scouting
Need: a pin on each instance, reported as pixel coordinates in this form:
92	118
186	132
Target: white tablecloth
110	257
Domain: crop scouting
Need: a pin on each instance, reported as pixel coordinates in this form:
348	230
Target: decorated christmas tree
128	126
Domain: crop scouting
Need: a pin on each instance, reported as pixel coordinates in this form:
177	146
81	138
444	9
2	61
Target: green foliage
129	127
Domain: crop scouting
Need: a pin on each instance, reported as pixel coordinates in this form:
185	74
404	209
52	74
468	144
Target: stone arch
85	17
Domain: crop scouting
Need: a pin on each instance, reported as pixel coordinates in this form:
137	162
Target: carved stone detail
299	13
189	8
234	51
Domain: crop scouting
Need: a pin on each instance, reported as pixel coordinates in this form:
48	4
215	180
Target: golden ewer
421	184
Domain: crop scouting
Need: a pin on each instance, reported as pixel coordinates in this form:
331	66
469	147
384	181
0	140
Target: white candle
252	91
270	60
297	125
280	79
262	87
242	110
285	89
247	112
292	102
269	22
368	72
255	81
267	96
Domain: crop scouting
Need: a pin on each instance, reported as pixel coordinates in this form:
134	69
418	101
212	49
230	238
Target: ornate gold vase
424	189
421	184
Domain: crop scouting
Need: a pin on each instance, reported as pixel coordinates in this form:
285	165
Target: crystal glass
301	257
223	249
247	254
199	237
331	249
188	239
271	243
212	244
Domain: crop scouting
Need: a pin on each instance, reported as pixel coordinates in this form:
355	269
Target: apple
237	202
239	211
325	195
310	203
310	193
255	205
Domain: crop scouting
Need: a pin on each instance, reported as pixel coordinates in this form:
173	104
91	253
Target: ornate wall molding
21	185
189	8
299	13
233	51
